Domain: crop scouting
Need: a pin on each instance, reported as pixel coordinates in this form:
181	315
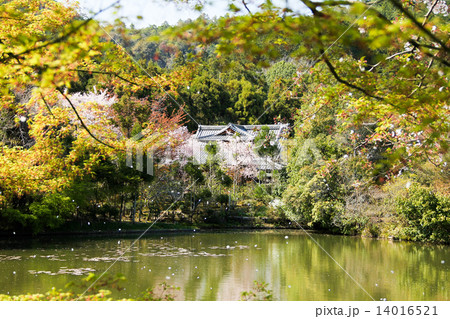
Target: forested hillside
363	86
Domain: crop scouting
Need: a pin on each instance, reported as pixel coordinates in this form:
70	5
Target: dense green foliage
364	89
426	214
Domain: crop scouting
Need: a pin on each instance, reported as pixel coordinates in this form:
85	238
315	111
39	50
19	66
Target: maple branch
399	6
367	140
391	57
81	121
331	3
436	57
422	79
108	73
341	80
245	6
312	6
415	45
46	104
418	45
61	38
18	19
429	160
429	12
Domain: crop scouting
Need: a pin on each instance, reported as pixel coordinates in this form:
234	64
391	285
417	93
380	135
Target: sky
152	11
156	12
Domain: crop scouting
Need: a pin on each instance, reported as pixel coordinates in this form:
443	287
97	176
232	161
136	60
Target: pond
221	265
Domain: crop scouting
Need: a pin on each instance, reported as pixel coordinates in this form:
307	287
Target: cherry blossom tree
238	156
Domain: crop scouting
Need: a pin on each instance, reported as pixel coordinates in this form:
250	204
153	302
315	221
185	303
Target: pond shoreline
173	231
128	229
164	228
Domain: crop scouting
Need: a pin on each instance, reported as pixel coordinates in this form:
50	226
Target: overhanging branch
81	121
399	6
109	73
341	80
61	38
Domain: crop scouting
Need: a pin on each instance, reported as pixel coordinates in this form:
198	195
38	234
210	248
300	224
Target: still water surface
219	266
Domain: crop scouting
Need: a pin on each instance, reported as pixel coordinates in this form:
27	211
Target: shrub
316	202
371	229
11	218
427	215
222	199
349	223
324	212
260	193
51	211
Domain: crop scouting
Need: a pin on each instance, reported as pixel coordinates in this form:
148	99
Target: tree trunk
133	212
121	208
140	213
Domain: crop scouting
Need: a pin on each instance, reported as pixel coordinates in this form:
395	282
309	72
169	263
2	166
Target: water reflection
219	266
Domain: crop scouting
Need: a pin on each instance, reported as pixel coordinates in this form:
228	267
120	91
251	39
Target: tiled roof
207	133
225	132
